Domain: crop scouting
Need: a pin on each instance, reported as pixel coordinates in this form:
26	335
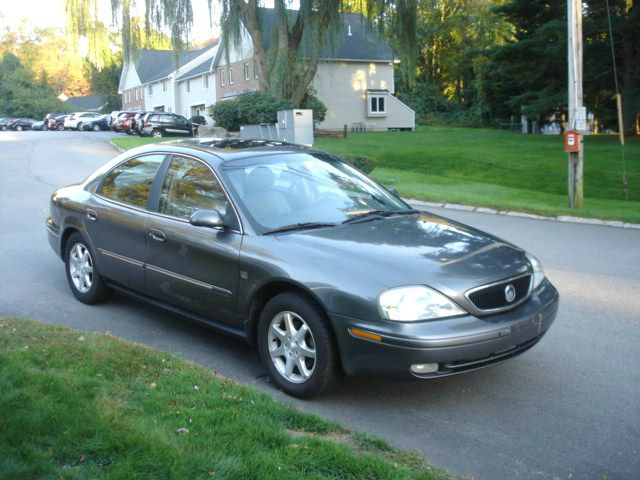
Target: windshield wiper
299	226
379	213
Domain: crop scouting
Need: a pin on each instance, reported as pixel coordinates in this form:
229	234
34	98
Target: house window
230	76
188	86
205	81
222	77
377	105
164	85
246	71
255	68
150	89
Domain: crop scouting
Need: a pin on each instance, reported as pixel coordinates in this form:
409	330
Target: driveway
568	408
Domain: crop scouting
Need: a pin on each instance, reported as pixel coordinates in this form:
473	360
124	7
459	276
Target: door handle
92	215
157	235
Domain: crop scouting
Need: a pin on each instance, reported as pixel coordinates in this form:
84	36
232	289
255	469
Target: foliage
248	108
46	52
311	102
199	119
364	164
105	81
22	94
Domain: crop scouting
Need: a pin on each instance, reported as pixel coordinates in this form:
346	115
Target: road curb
119	149
490	211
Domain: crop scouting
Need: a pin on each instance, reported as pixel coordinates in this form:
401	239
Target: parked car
39	125
19	124
137	121
123	123
4	123
115	124
112	117
49	120
291	249
58	123
167	125
76	119
100	123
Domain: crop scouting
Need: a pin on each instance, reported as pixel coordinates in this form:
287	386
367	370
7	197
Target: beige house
355	80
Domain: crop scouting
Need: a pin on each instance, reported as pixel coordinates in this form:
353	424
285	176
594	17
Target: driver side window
189	186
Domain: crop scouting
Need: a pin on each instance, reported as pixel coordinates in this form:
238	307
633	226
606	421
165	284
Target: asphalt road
568	408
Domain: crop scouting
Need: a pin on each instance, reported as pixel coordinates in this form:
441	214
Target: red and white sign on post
571	141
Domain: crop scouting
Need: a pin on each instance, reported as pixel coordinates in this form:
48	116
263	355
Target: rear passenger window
131	181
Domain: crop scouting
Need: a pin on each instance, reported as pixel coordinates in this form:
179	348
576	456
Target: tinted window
131	181
166	119
190	186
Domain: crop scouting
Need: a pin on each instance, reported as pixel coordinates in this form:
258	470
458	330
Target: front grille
494	296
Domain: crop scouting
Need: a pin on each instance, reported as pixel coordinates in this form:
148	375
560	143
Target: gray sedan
295	251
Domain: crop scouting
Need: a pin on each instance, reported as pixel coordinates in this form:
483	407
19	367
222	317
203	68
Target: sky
50	13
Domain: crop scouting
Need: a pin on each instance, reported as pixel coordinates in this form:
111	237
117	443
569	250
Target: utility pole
577	114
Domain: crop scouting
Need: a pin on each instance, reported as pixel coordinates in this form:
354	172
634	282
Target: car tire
19	128
96	128
281	323
79	126
82	273
60	128
156	134
44	129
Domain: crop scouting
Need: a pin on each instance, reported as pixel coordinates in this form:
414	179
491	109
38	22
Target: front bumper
456	344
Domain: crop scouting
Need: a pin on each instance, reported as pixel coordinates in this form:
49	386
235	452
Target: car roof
229	148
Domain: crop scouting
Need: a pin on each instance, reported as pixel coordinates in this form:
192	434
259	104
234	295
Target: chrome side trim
122	258
507	307
189	280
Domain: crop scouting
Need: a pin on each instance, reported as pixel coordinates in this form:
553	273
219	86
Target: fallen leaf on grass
182	431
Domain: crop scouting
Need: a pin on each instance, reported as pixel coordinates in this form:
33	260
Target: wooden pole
575	160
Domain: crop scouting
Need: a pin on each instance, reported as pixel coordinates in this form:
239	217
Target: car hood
411	249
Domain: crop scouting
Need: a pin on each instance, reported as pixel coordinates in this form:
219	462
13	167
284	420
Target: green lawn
495	169
75	405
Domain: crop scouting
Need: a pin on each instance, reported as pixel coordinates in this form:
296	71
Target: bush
225	114
311	102
199	119
364	164
252	108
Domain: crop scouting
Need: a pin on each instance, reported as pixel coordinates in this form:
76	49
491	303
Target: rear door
195	268
116	218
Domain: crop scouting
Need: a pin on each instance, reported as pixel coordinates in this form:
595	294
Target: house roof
202	67
358	39
154	65
86	103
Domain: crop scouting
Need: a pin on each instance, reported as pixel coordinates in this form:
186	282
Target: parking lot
568	408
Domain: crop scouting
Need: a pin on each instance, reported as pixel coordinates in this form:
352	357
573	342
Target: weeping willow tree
287	44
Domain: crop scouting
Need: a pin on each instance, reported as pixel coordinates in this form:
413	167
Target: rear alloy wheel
96	128
156	134
19	128
82	273
60	128
296	345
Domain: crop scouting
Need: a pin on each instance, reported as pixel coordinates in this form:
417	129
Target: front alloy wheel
84	279
292	347
156	134
297	344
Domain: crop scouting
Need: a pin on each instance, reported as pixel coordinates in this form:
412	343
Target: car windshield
304	189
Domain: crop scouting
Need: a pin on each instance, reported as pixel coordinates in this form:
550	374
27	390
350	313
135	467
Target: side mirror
206	218
394	192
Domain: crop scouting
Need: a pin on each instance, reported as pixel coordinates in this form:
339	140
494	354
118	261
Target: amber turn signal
366	335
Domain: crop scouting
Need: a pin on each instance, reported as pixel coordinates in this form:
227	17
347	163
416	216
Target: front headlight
538	272
416	303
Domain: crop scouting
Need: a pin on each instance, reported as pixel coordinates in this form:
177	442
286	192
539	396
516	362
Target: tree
287	45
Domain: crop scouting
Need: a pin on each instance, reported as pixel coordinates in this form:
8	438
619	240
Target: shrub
225	114
199	119
252	108
364	164
311	102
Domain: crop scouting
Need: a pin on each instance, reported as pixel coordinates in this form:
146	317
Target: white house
355	80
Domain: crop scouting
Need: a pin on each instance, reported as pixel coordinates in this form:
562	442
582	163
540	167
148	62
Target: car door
116	219
194	268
